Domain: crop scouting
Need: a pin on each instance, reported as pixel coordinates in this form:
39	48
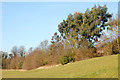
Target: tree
22	51
88	25
30	50
14	50
11	55
113	29
4	55
43	45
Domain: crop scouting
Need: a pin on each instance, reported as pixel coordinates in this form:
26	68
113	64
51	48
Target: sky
29	23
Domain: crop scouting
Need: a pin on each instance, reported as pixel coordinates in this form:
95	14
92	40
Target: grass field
100	67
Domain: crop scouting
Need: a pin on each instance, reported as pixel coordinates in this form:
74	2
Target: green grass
100	67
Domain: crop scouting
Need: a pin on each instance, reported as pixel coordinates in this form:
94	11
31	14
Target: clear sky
29	23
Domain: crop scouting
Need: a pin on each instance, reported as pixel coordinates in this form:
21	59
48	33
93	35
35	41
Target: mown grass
100	67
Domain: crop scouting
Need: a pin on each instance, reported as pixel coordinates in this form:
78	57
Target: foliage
69	57
80	26
64	60
20	64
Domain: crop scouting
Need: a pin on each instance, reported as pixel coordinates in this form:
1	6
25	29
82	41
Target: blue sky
29	23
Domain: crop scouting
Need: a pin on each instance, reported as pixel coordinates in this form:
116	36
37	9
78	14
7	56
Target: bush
20	65
64	60
67	58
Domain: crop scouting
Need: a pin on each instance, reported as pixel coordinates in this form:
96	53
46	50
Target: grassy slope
101	67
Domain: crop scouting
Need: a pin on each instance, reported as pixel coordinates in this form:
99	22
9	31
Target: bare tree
11	55
46	44
30	49
4	55
22	51
43	45
14	50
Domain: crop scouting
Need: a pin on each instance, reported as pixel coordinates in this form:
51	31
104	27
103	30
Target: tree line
76	40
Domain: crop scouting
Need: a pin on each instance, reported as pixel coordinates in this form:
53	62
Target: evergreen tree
81	26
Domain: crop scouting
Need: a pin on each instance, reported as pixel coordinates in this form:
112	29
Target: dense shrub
68	57
64	60
20	64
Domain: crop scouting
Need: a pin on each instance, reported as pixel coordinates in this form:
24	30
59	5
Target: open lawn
99	67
